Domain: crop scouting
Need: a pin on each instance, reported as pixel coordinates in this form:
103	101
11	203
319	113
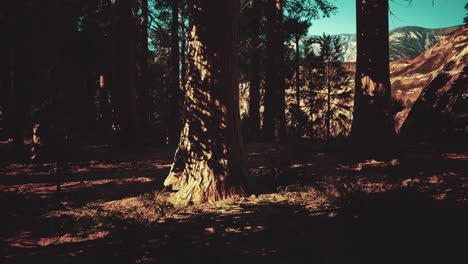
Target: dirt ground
323	207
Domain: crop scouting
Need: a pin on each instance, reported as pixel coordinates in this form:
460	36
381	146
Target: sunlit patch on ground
102	201
456	156
28	240
369	164
46	190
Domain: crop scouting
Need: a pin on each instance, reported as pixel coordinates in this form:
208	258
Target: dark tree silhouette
209	162
143	54
273	118
372	130
255	73
124	70
174	90
21	63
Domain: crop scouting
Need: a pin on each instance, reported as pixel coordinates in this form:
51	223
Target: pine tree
335	92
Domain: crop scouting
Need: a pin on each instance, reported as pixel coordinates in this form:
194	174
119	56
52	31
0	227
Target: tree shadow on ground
392	227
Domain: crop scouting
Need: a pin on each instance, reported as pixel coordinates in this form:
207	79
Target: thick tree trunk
21	75
124	70
372	129
174	94
144	95
209	162
274	126
254	90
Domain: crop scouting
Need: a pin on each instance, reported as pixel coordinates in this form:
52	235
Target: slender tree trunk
21	74
372	130
254	89
328	119
298	88
105	77
273	118
144	95
298	85
4	77
209	163
124	70
174	95
183	48
17	106
144	35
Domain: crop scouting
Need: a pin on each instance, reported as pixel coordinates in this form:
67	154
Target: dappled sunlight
323	199
369	164
48	190
456	156
28	240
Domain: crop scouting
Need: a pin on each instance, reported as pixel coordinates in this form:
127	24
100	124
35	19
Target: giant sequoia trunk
372	129
174	94
124	70
273	117
209	162
254	90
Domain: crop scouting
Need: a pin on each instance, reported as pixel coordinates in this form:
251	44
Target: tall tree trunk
144	35
372	130
21	75
174	95
298	86
4	74
105	77
124	70
143	93
209	163
254	90
297	62
328	84
183	48
273	118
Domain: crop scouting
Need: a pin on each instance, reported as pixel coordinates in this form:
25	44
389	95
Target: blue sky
444	13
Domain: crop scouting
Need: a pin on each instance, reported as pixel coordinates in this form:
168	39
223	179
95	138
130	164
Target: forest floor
323	208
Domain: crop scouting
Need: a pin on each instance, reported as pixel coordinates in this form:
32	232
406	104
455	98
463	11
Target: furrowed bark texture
209	162
372	129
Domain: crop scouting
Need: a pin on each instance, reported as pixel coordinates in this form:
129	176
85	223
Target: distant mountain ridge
410	41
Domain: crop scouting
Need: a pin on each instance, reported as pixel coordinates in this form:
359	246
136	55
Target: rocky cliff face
404	42
434	88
